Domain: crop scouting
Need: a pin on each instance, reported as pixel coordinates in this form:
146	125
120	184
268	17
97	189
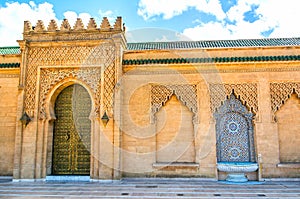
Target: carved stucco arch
56	90
186	93
280	92
245	92
51	77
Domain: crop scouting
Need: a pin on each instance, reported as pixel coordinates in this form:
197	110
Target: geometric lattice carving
186	93
281	92
51	76
246	92
234	128
85	56
109	81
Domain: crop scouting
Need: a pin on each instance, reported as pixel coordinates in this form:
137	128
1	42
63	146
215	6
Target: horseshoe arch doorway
72	132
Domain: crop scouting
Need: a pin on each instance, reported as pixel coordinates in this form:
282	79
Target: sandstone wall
274	140
8	117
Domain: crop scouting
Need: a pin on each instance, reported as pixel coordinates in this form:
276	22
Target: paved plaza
149	188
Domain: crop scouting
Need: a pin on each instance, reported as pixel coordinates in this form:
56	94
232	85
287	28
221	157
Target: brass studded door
72	132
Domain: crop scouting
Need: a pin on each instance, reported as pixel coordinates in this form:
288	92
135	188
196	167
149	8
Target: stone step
143	188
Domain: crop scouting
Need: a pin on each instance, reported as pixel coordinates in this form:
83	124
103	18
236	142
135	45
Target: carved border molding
186	93
245	92
9	76
150	71
51	76
280	92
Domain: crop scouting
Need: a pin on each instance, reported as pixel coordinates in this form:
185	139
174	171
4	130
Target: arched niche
175	139
288	124
234	132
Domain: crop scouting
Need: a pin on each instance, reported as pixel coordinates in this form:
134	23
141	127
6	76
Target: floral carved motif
187	94
246	92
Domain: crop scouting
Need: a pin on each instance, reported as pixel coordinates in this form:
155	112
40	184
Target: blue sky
162	20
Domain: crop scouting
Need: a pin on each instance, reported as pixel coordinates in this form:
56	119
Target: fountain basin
236	170
237	167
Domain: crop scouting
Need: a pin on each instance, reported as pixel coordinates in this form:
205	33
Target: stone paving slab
149	188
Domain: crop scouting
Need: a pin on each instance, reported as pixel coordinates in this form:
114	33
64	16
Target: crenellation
27	26
92	25
118	24
52	26
39	26
78	25
65	26
105	25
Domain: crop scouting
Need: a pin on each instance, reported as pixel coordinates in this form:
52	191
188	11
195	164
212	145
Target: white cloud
207	31
149	9
109	14
167	8
284	14
72	17
281	17
13	15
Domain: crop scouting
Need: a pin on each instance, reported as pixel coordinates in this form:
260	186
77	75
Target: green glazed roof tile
194	44
212	60
10	50
9	65
215	44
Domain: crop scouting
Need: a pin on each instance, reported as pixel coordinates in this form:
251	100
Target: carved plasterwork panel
187	94
109	84
280	92
73	56
246	92
51	76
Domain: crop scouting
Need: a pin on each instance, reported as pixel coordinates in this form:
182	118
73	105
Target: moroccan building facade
79	101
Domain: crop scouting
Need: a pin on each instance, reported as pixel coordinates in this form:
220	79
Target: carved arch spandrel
69	56
245	92
280	92
50	77
186	93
